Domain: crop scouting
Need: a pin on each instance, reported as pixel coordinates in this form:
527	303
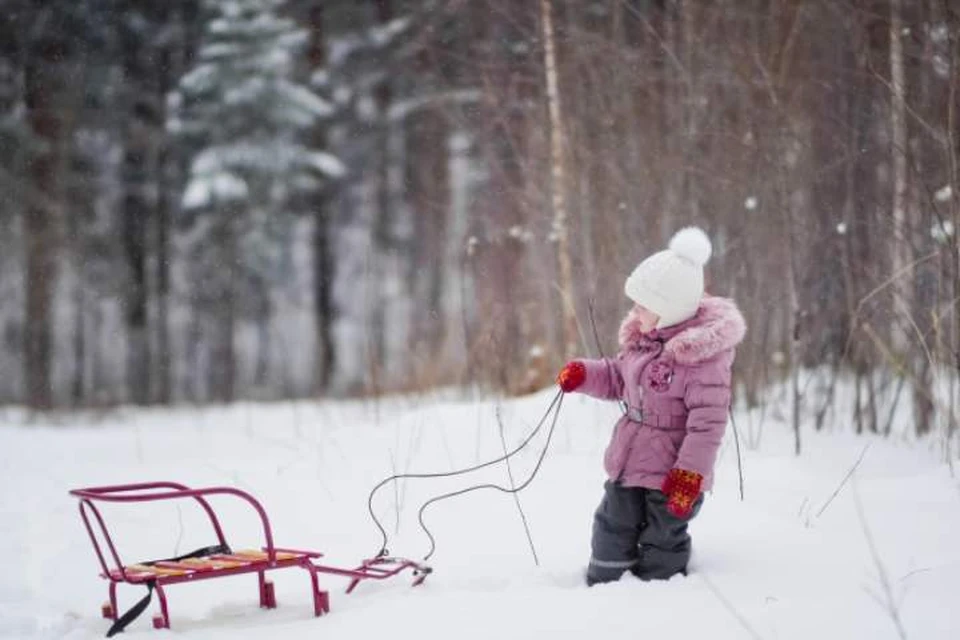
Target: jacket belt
663	422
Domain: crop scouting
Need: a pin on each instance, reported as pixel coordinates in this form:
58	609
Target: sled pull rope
624	409
513	490
554	404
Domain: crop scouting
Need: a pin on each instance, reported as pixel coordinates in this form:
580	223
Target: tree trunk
900	251
223	357
43	86
188	26
164	206
428	195
382	235
78	257
952	153
690	108
558	181
505	290
264	315
324	273
324	262
136	215
135	303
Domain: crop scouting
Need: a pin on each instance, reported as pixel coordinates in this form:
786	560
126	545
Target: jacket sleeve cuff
603	379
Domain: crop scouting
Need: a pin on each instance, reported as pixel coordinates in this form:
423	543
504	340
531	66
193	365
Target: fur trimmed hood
717	326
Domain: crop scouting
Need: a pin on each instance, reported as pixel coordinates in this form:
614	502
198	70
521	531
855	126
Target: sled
217	561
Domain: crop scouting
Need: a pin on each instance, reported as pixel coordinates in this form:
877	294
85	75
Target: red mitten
572	376
682	489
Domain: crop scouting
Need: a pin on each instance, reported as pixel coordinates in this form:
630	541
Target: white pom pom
692	244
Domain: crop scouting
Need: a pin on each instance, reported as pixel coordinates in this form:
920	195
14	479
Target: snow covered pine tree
246	115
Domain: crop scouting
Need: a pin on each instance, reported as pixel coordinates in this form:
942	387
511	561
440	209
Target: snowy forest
213	200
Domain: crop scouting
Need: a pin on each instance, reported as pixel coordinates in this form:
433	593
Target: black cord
557	400
610	372
515	490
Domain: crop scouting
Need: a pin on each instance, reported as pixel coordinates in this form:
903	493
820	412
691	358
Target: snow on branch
305	99
327	164
384	35
403	109
209	189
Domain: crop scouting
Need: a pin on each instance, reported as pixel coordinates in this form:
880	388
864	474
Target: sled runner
217	561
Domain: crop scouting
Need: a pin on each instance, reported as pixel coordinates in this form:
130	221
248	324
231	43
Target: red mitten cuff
572	376
682	489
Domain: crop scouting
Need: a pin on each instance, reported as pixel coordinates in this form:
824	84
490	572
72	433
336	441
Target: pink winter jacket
676	385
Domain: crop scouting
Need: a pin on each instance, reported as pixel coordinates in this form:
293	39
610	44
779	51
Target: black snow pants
633	531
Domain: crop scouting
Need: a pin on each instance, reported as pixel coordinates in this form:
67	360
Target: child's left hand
682	489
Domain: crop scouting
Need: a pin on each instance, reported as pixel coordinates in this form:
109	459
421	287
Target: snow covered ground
881	560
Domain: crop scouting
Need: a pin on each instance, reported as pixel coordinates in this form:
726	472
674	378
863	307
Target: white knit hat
670	282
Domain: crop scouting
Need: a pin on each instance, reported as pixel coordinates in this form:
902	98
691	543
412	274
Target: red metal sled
216	565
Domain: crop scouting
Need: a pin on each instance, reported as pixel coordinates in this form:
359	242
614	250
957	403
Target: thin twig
888	426
396	495
553	409
593	325
926	126
729	606
844	481
176	545
513	486
901	368
671	54
888	602
736	439
880	287
567	300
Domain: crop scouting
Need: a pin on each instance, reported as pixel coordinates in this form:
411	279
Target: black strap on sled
136	610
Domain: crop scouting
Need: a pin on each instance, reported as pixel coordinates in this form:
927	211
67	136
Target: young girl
672	374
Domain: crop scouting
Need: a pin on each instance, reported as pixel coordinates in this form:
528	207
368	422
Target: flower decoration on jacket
572	375
660	375
682	489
